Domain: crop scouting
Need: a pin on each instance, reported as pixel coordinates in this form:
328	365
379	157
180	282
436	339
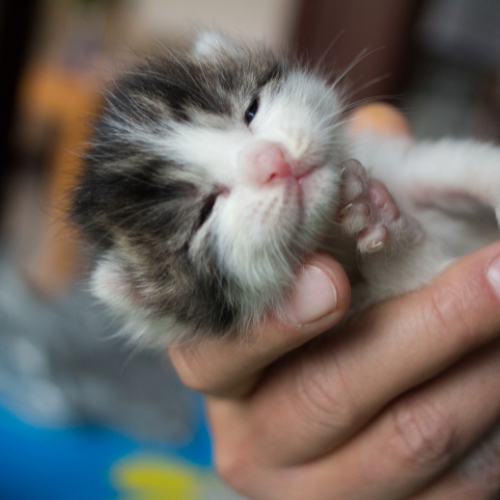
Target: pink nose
270	163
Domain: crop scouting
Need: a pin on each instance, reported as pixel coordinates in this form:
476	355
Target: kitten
211	176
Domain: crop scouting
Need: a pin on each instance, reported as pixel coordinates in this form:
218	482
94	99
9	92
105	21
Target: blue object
92	462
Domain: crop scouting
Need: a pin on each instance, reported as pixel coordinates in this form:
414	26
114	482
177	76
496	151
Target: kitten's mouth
308	182
300	192
299	178
299	196
300	187
304	176
294	189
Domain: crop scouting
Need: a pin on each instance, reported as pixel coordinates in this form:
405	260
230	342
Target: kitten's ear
116	288
112	285
211	44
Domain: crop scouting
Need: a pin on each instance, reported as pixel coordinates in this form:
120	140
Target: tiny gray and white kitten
213	174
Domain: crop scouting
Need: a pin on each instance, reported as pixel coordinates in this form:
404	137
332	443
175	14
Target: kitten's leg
449	169
369	213
454	175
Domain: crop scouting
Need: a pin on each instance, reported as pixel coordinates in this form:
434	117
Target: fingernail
314	297
493	275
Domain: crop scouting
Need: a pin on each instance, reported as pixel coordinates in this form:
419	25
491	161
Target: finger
230	368
421	435
477	476
410	444
378	117
318	399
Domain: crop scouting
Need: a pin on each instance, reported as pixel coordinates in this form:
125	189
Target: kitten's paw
369	212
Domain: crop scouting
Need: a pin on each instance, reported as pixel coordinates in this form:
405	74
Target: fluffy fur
191	240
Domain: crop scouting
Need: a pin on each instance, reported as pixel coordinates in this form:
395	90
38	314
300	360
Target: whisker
329	47
356	61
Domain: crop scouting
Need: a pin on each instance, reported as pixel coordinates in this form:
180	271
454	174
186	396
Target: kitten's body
211	176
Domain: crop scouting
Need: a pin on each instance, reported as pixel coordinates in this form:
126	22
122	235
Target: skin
384	409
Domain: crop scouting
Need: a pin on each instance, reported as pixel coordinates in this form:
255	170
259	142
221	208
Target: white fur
449	186
209	44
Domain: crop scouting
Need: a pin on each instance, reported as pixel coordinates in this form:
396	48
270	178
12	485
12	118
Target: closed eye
207	209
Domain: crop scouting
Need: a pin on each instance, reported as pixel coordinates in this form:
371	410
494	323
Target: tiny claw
373	239
374	247
351	164
345	211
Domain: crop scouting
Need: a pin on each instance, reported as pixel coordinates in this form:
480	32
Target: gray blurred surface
60	363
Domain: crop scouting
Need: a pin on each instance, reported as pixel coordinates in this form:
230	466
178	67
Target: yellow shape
151	478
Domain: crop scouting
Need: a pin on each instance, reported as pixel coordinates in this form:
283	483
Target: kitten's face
209	178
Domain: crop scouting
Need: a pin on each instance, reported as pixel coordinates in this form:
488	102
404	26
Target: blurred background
83	415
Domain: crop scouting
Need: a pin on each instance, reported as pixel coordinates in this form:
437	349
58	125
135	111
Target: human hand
383	409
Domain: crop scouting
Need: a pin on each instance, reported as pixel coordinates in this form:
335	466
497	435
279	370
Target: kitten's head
210	176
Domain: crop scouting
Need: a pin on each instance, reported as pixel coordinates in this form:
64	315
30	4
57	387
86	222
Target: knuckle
323	396
210	377
233	465
436	310
423	437
189	373
228	463
447	308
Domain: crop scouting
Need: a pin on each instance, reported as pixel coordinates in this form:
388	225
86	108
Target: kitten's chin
291	220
